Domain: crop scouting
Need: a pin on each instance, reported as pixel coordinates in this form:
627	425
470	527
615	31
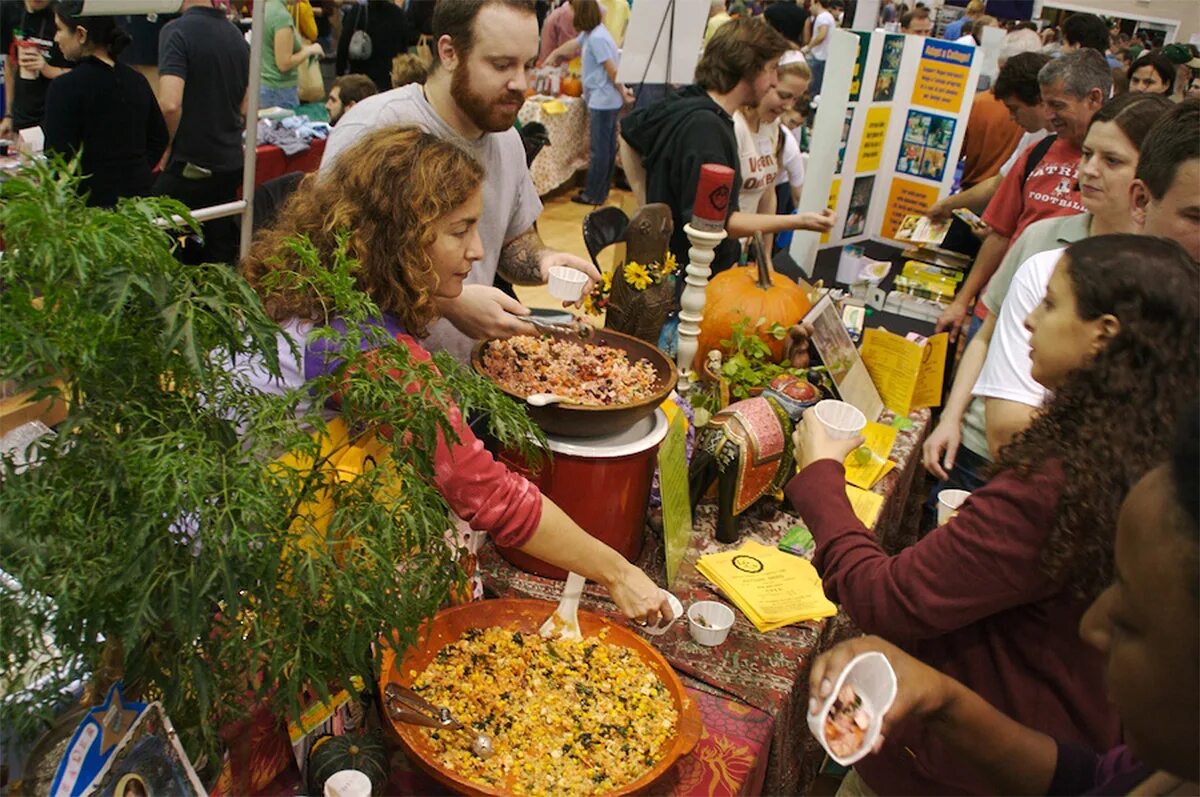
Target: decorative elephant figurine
747	449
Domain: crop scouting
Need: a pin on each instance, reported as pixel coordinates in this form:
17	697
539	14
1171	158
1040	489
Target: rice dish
585	373
565	717
846	723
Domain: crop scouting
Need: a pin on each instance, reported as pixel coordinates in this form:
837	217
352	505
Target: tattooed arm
525	260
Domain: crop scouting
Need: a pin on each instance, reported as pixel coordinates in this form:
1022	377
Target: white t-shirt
757	158
511	204
823	20
794	161
1026	141
1007	371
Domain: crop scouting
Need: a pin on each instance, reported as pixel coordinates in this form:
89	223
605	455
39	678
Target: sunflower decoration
636	275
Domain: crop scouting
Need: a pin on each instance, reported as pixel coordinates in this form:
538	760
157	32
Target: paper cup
28	74
348	783
872	677
948	503
843	421
718	619
567	283
676	610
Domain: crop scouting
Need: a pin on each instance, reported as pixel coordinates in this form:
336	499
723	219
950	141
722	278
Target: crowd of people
1071	571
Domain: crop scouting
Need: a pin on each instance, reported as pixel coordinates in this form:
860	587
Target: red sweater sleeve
479	489
1004	210
985	560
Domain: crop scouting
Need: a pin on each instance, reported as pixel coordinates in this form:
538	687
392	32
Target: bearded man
483	51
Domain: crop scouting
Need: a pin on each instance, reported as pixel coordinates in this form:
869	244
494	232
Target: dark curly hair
387	190
1114	419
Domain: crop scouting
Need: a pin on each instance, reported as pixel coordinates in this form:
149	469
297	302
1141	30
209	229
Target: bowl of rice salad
602	715
613	380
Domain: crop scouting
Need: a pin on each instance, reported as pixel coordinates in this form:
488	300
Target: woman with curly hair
405	204
994	596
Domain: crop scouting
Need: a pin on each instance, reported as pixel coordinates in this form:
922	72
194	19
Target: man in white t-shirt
817	51
482	52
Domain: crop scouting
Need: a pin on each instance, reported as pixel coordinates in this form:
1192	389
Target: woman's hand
315	50
811	442
921	690
818	222
941	447
639	598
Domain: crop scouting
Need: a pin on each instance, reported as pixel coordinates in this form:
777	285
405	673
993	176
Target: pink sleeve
484	492
985	560
479	489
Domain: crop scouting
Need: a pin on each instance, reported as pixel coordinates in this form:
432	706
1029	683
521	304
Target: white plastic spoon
542	399
564	623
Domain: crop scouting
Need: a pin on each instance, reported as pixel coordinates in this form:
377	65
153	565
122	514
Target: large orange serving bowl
527	616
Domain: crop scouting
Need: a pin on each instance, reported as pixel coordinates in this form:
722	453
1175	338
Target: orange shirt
991	137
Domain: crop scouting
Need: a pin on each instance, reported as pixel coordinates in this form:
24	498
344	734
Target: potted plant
185	534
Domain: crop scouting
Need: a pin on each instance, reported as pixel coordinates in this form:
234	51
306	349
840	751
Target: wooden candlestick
691	305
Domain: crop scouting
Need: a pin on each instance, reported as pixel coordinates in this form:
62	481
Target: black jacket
387	25
675	138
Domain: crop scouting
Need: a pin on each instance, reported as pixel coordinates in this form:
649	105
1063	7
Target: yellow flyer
908	374
866	505
869	463
770	586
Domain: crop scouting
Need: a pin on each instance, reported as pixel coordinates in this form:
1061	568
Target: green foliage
750	366
160	520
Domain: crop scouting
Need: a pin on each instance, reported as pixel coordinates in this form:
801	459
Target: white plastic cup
567	283
948	503
348	783
676	612
843	421
873	679
718	619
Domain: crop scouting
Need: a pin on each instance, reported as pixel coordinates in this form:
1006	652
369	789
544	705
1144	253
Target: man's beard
483	113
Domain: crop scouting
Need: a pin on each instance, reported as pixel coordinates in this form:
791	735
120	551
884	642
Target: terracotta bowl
577	421
527	616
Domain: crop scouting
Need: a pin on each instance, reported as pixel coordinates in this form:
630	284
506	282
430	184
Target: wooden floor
561	227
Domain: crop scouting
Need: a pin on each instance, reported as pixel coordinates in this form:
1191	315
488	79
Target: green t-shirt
1041	236
276	17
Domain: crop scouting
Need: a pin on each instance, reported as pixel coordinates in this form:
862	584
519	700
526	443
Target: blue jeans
602	158
283	98
967	474
818	76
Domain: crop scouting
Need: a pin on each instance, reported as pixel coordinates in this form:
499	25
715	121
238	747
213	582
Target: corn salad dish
565	717
585	373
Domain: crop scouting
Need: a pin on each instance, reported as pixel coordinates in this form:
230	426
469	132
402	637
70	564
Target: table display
271	162
568	131
764	672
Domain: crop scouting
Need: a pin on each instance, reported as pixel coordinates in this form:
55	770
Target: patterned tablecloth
568	149
767	672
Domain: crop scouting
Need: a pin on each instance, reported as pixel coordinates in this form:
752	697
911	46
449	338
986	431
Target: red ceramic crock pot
603	483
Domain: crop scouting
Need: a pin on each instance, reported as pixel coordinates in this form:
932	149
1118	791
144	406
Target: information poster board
887	135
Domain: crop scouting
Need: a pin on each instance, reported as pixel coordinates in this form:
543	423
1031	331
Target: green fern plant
159	522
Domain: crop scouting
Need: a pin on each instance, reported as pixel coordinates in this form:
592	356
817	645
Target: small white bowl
874	680
676	610
566	283
843	421
717	616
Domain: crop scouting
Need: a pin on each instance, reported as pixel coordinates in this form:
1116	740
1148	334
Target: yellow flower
637	276
606	282
669	264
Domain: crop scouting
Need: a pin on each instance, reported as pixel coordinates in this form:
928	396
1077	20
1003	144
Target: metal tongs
576	327
405	705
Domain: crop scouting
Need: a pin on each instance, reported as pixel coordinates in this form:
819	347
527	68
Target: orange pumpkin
571	86
753	292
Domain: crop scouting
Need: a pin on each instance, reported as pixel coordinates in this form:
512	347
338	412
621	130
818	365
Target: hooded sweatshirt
675	138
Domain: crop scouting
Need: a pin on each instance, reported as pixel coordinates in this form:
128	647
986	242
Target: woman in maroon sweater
994	597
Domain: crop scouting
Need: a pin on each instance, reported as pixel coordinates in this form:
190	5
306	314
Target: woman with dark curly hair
993	597
407	206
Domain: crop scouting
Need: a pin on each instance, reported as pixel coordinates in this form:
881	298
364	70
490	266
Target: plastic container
850	263
676	611
718	620
843	421
567	283
872	677
948	503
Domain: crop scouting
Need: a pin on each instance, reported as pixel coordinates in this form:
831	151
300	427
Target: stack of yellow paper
771	587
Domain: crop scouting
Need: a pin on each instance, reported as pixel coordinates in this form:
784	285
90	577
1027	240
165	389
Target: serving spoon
542	399
405	705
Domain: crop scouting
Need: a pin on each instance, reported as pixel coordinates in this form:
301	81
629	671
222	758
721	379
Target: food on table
846	723
585	373
565	716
